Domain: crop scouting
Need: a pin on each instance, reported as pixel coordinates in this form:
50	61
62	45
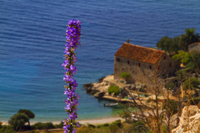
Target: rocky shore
128	90
100	89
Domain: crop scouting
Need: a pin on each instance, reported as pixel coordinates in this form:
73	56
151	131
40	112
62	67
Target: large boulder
130	86
88	87
101	79
140	85
189	120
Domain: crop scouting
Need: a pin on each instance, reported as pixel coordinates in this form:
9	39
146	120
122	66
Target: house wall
139	74
194	47
145	71
167	65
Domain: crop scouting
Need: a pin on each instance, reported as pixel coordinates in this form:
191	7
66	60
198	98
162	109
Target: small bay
32	41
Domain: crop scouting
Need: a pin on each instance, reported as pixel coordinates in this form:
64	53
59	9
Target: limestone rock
99	94
189	120
88	87
132	87
106	94
113	95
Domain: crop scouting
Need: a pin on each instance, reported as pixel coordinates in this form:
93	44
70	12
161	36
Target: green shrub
40	125
171	86
118	123
48	125
59	125
0	125
103	125
194	101
164	128
113	128
126	129
84	129
6	129
122	81
171	106
139	127
113	89
91	126
128	121
125	75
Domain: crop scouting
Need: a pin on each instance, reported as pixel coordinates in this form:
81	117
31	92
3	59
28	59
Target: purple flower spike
73	37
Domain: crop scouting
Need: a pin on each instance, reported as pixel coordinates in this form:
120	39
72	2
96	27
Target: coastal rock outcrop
101	88
189	120
97	89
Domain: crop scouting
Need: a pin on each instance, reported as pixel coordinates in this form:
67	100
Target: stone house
194	46
142	62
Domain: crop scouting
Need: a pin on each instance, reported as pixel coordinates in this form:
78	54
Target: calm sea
32	41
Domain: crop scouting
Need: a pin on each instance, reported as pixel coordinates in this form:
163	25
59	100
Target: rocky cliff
189	120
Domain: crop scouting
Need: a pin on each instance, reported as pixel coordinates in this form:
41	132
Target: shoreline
86	121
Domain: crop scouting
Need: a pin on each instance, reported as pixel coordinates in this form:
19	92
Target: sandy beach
92	121
100	121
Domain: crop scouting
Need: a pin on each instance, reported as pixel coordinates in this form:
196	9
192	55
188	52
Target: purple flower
67	78
72	116
73	37
65	64
73	69
74	130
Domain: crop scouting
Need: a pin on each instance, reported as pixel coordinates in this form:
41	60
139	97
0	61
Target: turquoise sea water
32	41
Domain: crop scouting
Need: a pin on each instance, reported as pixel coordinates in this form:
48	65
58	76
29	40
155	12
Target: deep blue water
32	41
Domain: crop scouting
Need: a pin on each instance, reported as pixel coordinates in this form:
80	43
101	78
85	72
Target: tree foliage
164	43
188	38
173	45
18	120
182	55
182	74
169	45
190	60
193	61
30	114
191	83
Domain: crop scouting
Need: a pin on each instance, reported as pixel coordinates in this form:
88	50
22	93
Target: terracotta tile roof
194	43
139	53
